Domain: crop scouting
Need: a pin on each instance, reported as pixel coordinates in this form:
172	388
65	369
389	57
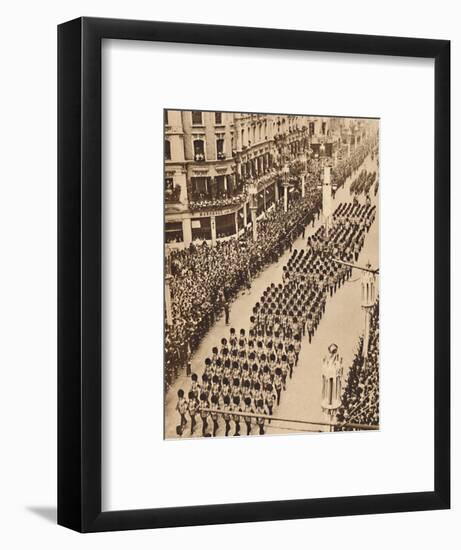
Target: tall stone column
276	189
285	197
303	185
213	230
187	231
326	198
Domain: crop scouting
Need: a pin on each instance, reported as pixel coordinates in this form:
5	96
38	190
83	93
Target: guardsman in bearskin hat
219	370
257	394
226	414
223	345
266	378
235	387
269	398
227	369
205	384
192	408
254	374
236	417
215	386
204	406
232	338
246	388
291	359
195	386
248	409
285	368
260	421
181	407
214	415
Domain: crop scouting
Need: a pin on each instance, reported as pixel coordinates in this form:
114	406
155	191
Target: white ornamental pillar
303	185
368	284
187	231
213	230
326	198
332	374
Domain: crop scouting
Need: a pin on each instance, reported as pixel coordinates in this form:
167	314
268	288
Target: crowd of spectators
221	201
205	278
360	399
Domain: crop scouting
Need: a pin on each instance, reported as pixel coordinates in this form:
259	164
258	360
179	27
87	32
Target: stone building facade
214	161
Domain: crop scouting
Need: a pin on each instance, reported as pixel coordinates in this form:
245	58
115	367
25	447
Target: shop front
225	225
201	228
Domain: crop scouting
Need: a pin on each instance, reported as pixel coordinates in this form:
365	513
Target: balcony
224	199
172	195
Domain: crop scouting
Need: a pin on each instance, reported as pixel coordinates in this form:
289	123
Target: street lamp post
285	172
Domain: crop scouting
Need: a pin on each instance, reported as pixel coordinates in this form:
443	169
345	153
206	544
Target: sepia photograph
271	274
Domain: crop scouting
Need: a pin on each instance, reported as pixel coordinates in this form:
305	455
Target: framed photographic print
253	274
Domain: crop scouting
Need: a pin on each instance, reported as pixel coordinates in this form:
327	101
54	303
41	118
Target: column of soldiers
249	372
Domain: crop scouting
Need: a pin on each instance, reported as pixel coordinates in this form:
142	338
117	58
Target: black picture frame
79	274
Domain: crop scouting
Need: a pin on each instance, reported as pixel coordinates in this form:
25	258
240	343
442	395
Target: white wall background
28	274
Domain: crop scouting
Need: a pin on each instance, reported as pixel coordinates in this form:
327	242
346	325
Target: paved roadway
342	324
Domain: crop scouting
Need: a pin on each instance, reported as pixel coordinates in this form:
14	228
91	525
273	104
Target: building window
199	149
172	192
220	149
165	117
201	229
168	184
218	118
225	225
324	127
197	118
200	189
167	150
173	232
311	128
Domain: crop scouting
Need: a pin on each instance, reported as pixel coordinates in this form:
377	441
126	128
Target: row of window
199	149
196	116
197	120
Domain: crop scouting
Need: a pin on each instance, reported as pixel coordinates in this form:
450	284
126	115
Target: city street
342	324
